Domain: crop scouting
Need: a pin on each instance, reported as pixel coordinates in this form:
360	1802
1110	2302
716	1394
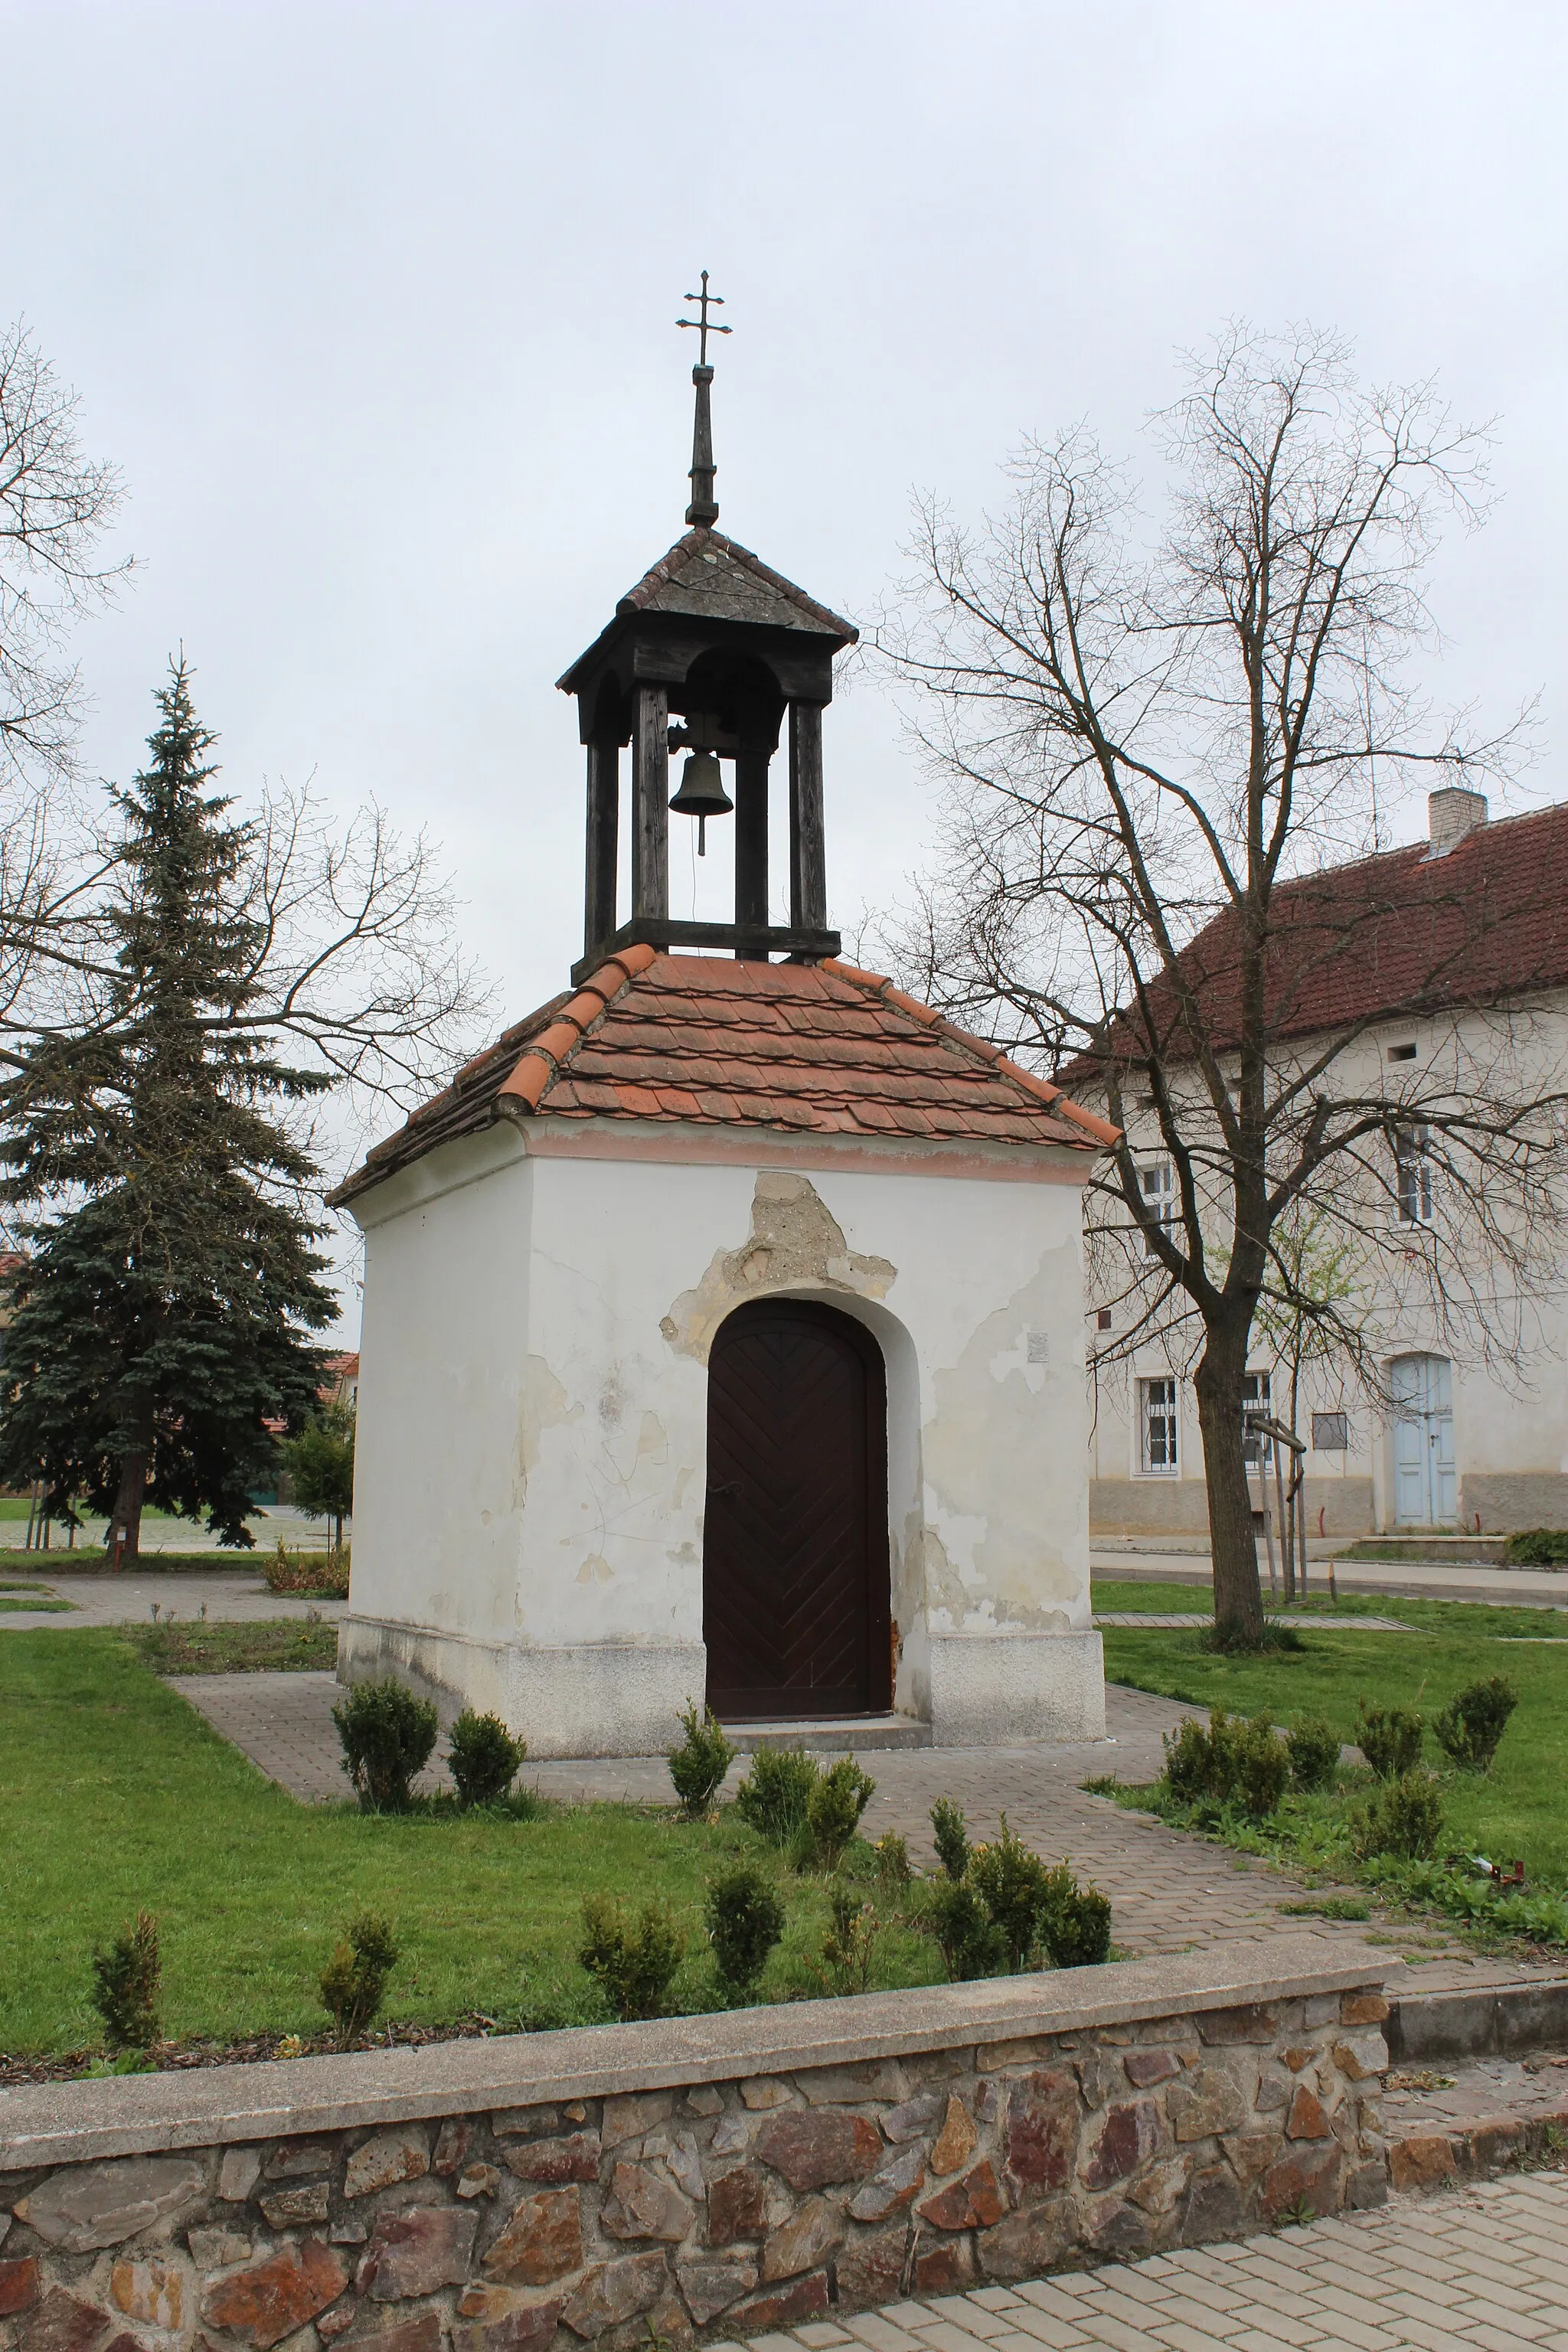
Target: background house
1448	953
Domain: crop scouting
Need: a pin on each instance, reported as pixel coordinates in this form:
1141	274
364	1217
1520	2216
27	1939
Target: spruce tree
160	1339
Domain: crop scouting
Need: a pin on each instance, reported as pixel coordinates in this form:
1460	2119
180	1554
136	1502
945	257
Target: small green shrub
745	1920
1470	1727
774	1796
699	1762
1074	1921
850	1946
971	1943
1234	1762
354	1979
1404	1818
125	1984
1011	1883
892	1860
1537	1547
834	1808
1390	1739
633	1963
951	1834
1312	1745
387	1734
484	1758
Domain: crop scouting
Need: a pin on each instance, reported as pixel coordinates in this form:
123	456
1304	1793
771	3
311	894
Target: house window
1400	1053
1255	1446
1331	1432
1157	1402
1413	1174
1158	1179
1102	1319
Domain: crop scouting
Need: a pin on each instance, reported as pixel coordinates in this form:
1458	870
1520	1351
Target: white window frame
1159	1407
1413	1174
1256	1447
1157	1182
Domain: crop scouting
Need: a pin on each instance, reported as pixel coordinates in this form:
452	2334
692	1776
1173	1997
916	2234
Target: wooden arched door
795	1597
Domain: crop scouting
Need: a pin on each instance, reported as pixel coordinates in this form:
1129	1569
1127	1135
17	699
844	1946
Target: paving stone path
1169	1892
1485	2268
224	1596
1186	1619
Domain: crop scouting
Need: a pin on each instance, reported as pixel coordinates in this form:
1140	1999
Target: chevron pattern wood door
795	1594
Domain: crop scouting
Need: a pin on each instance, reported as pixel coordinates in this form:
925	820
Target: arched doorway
795	1597
1425	1487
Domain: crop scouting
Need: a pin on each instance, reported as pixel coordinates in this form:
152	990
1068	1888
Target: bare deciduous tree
1159	747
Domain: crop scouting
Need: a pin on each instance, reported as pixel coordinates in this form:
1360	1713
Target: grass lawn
1517	1809
286	1644
39	1604
89	1559
116	1796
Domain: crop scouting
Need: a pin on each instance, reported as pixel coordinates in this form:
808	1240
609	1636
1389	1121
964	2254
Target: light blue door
1425	1484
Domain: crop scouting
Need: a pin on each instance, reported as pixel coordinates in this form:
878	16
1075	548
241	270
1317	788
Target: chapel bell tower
708	655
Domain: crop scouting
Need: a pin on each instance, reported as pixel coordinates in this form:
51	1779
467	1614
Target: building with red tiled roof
1421	958
722	1326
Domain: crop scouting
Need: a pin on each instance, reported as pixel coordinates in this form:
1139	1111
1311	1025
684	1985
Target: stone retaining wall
710	2175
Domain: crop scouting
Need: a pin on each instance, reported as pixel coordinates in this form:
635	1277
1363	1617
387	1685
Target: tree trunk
125	1527
1233	1547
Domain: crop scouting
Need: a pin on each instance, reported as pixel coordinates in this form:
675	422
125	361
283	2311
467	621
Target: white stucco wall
532	1459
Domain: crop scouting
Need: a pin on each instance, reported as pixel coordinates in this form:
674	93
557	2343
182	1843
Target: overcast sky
374	307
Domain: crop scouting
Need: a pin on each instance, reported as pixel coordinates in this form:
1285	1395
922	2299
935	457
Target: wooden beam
651	797
751	844
773	939
807	848
604	840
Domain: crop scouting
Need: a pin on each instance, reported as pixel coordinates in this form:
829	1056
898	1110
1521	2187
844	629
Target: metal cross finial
704	325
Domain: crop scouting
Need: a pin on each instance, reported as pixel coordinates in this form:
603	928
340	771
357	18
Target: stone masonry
708	2207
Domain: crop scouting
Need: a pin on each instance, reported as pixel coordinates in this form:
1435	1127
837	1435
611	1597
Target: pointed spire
703	511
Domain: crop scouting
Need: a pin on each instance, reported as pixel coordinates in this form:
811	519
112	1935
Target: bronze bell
702	795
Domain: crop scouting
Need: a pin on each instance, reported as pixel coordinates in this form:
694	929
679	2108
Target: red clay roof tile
821	1048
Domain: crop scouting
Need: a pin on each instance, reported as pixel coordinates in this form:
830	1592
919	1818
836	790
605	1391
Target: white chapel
722	1320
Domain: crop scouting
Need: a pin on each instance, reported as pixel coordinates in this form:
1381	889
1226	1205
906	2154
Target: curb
1490	2023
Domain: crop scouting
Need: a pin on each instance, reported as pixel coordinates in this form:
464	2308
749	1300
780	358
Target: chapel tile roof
1390	937
815	1049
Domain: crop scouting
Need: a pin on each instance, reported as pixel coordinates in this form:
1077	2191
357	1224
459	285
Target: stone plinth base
994	1690
610	1698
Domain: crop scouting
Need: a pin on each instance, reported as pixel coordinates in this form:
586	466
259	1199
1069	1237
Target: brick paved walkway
1169	1892
1485	2269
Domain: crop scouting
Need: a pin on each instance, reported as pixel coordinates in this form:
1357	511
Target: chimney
1451	814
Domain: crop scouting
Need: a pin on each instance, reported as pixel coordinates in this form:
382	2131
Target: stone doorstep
66	2123
835	1735
1486	2023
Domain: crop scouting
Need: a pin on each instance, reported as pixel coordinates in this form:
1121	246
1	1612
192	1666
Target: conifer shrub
746	1920
1312	1745
1011	1882
1471	1727
126	1974
354	1982
1234	1762
892	1860
1074	1921
950	1833
387	1734
833	1811
774	1796
1390	1739
1403	1819
971	1943
633	1961
850	1946
484	1758
699	1762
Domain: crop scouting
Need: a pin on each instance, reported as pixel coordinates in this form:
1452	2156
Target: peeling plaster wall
534	1423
